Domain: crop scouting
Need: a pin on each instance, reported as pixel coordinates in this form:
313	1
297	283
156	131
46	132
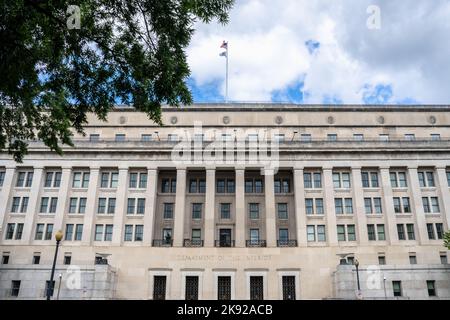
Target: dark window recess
15	288
159	288
224	288
67	259
288	287
191	288
256	288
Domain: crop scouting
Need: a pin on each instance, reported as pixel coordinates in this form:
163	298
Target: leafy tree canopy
125	51
447	240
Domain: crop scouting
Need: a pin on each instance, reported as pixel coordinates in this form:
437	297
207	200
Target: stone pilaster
33	204
329	205
121	203
240	208
444	195
210	207
271	232
422	236
150	205
388	206
300	214
91	210
358	198
180	200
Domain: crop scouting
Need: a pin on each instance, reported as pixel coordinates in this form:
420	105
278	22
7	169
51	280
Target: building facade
235	201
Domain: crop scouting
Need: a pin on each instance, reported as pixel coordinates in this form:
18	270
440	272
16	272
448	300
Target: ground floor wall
130	271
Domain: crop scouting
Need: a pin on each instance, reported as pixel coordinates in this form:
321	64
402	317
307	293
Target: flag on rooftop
224	45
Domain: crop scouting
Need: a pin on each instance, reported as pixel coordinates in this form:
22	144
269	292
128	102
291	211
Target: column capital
441	168
38	167
298	168
210	168
94	168
152	169
386	168
66	168
123	168
354	168
181	169
327	168
412	167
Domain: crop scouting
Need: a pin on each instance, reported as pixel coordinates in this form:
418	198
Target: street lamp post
357	277
59	286
58	237
384	286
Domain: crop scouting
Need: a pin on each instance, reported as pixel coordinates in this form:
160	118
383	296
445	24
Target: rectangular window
230	186
319	206
377	205
193	186
448	178
254	235
48	232
36	258
348	205
332	137
78	232
128	235
305	137
44	205
53	205
406	205
341	232
131	205
381	260
410	137
168	210
371	232
398	179
133	180
196	235
440	230
220	186
443	257
258	186
397	288
401	232
111	205
435	137
307	180
317	180
248	186
120	137
254	210
412	259
98	232
410	230
338	206
24	205
15	204
351	233
223	288
10	231
159	288
311	233
282	211
256	288
430	231
358	137
283	235
196	211
94	137
67	259
426	205
146	137
368	205
72	205
365	179
108	232
5	258
384	137
140	206
191	291
321	233
15	288
225	210
101	205
431	286
309	206
39	231
2	178
380	232
19	231
201	186
69	232
288	283
435	204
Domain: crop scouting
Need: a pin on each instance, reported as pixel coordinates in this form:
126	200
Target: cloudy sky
322	51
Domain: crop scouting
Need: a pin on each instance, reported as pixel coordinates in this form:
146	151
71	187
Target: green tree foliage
126	51
447	240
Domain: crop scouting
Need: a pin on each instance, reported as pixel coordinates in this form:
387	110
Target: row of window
138	180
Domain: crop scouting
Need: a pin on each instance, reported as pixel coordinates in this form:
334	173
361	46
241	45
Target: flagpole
226	78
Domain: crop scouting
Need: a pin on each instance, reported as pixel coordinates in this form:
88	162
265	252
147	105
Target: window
80	180
120	137
426	205
332	137
10	231
435	136
67	259
193	186
321	233
431	286
309	206
256	288
2	178
305	137
167	235
107	235
341	180
220	186
398	179
406	205
191	292
311	233
254	210
397	288
52	179
341	232
368	205
443	257
78	232
106	205
252	137
36	258
312	180
172	137
435	204
283	235
282	211
282	186
380	232
410	230
24	179
381	260
426	179
358	137
319	205
279	137
288	283
369	179
137	180
48	232
196	211
430	231
254	235
69	232
138	232
168	185
225	210
159	288
372	205
384	137
448	178
440	230
196	235
338	206
94	137
223	288
351	233
19	231
343	205
98	232
258	186
5	258
146	137
39	231
253	186
168	210
412	259
371	232
108	232
434	208
410	137
401	232
128	235
15	288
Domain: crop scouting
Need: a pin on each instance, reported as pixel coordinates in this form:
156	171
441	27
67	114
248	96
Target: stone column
444	194
210	207
300	214
63	193
180	200
360	214
419	214
388	206
91	210
329	204
271	232
33	204
121	203
150	205
240	207
5	193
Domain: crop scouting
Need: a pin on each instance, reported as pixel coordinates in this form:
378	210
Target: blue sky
320	51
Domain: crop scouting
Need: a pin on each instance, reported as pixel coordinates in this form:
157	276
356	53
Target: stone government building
365	183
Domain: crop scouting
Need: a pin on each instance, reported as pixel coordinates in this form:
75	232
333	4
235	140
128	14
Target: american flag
224	45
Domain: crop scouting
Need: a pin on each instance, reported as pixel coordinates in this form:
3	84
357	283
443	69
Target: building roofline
268	107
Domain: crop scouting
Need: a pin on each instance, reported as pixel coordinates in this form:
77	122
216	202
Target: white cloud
411	51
